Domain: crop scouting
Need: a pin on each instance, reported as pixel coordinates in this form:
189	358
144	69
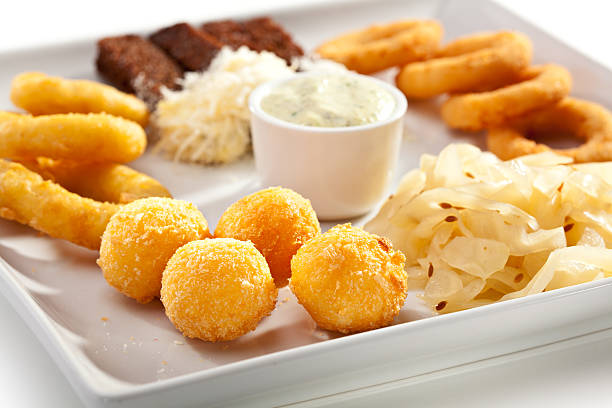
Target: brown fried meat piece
134	64
259	34
229	32
192	48
137	65
270	36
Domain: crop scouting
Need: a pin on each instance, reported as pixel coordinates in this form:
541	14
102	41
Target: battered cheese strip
94	137
114	183
41	94
45	206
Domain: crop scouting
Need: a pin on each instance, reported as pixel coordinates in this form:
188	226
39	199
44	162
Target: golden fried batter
349	280
586	120
277	220
114	183
384	46
217	289
41	94
93	137
472	63
26	198
540	86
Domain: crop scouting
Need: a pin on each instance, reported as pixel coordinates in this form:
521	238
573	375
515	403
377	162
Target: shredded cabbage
477	230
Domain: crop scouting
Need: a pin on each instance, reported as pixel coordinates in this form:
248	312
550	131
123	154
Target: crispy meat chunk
134	64
192	48
229	32
268	35
259	34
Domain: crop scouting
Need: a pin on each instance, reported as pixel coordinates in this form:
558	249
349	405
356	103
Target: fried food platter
116	353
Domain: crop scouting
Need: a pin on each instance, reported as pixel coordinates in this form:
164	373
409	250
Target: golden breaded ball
217	289
141	237
349	280
277	220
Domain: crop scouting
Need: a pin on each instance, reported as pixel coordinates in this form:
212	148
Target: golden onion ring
379	47
41	94
93	137
586	120
476	62
114	183
45	206
543	86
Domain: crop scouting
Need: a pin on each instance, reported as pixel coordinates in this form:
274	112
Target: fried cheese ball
349	280
277	220
141	237
217	289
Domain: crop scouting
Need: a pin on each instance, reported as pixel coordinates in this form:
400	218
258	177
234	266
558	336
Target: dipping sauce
330	100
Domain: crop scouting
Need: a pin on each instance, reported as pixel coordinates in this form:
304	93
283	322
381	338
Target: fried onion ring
41	94
586	120
45	206
379	47
114	183
473	63
93	137
541	86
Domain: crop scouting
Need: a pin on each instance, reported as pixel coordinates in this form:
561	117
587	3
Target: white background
580	375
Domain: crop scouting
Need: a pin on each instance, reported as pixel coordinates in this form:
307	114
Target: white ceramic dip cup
343	171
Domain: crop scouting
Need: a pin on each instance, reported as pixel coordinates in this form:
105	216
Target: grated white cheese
208	120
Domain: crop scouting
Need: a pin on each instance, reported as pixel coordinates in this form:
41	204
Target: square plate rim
15	293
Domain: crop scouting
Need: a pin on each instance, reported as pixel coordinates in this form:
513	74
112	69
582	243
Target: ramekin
343	171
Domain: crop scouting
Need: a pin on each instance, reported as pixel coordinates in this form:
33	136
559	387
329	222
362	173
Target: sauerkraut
476	230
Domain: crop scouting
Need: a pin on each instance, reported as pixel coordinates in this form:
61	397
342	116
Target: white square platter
135	358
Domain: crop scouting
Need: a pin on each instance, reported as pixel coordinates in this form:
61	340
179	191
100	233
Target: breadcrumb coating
139	240
349	280
277	220
217	289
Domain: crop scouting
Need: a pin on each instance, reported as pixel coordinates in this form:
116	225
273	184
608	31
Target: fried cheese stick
47	207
